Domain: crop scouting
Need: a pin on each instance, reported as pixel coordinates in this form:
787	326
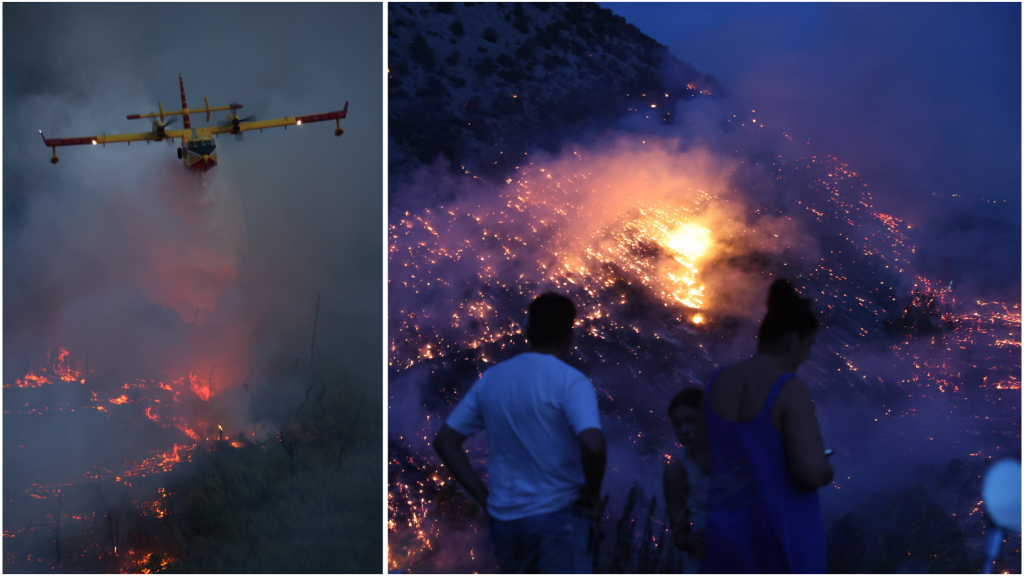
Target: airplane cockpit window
202	146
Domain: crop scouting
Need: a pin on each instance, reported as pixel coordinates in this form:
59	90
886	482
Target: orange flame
60	367
202	390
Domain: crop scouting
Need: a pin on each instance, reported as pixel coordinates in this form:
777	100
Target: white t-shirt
532	407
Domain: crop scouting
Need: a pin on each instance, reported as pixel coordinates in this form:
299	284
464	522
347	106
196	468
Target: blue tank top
758	522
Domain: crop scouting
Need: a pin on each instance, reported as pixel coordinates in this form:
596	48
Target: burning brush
668	261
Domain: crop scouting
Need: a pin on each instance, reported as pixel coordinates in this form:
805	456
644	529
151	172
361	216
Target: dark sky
113	248
923	100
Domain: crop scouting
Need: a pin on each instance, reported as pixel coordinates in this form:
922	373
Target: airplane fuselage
200	154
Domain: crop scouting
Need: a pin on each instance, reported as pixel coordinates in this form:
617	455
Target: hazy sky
923	100
114	247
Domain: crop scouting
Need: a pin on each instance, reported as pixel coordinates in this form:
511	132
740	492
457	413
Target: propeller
233	121
172	120
159	129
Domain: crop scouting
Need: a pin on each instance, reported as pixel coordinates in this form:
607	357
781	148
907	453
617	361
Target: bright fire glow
200	387
658	230
689	242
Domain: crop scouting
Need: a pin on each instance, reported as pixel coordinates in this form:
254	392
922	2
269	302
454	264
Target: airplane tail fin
184	106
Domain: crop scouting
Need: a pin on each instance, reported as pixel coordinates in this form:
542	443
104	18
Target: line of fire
662	255
68	506
116	515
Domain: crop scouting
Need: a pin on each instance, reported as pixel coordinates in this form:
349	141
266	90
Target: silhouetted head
550	322
682	411
789	328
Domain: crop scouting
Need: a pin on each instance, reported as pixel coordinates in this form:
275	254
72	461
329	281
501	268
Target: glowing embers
56	370
188	431
201	387
661	247
162	462
157	508
689	243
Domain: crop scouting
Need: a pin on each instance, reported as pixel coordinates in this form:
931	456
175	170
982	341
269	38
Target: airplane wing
112	138
286	121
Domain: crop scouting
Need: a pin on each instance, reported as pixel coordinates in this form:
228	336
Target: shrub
520	19
491	35
457	28
554	61
486	66
525	52
421	53
453	58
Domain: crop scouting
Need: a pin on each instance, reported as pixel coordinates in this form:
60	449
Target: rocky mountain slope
481	83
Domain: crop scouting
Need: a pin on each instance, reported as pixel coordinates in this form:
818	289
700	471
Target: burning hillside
668	252
139	432
156	412
163	470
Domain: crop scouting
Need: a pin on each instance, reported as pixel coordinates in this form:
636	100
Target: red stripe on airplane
184	106
322	117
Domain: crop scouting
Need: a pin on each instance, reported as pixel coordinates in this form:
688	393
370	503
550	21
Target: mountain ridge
480	84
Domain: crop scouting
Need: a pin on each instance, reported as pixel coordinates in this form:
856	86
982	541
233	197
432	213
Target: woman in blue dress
762	445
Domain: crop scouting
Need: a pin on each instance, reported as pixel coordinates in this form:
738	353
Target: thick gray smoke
121	252
144	270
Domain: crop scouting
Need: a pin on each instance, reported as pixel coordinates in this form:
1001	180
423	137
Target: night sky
115	250
922	100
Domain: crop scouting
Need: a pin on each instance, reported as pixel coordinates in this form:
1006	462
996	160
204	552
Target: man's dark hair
689	397
551	319
787	312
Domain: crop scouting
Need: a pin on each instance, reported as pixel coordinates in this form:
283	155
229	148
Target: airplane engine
54	160
233	121
160	128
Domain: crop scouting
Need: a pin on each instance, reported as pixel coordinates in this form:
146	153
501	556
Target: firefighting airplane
197	150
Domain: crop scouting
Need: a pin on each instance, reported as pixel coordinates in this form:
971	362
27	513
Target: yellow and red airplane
198	150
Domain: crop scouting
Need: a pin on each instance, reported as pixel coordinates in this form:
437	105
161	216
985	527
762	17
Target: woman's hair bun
782	297
787	312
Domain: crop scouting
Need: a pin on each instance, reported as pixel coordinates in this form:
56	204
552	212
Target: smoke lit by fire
668	252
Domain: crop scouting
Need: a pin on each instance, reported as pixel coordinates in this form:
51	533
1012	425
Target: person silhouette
760	442
547	451
684	483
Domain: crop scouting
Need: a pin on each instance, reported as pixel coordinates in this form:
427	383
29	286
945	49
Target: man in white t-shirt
547	452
